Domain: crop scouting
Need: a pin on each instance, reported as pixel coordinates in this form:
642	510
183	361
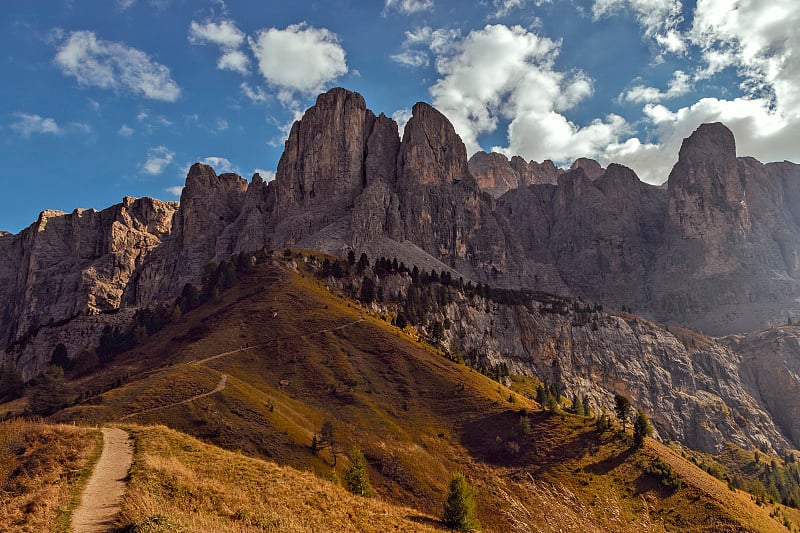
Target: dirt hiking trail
101	497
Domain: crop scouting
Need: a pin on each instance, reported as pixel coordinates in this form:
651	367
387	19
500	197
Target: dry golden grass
180	484
42	470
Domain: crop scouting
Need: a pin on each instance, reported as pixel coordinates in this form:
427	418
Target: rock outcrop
68	265
496	175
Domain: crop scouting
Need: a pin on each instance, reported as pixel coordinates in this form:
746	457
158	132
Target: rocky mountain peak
712	141
323	159
707	195
494	173
619	176
431	153
591	168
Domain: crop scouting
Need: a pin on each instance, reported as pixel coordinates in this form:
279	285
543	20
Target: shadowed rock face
323	161
718	249
496	175
431	153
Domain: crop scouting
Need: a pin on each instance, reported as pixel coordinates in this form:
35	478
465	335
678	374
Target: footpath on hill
101	498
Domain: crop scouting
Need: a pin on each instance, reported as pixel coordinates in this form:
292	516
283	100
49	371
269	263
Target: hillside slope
263	368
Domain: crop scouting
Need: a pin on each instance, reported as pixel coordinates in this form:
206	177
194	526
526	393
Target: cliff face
497	175
719	248
696	395
731	238
68	265
697	390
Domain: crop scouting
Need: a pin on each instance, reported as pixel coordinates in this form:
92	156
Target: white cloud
660	19
401	116
110	65
757	40
411	58
234	60
94	104
439	41
299	58
407	7
175	190
27	124
501	73
228	37
125	130
255	94
222	124
158	158
679	85
266	175
220	164
224	34
125	4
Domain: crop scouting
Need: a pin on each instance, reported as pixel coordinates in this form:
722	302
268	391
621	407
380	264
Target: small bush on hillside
641	429
356	477
459	509
51	393
669	478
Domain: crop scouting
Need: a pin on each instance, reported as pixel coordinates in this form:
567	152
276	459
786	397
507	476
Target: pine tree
328	438
363	262
459	509
60	356
51	393
356	477
367	290
622	408
577	408
587	407
641	429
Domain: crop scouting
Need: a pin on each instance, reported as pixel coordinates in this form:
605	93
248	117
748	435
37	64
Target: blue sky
110	98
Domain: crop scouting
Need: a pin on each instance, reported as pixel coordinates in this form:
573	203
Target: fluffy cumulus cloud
227	37
125	130
111	65
158	158
27	124
299	58
758	43
408	7
506	74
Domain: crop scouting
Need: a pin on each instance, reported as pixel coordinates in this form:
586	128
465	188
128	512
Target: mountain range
716	248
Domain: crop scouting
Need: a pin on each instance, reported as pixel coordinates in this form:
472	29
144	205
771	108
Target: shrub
669	478
356	477
459	508
641	429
